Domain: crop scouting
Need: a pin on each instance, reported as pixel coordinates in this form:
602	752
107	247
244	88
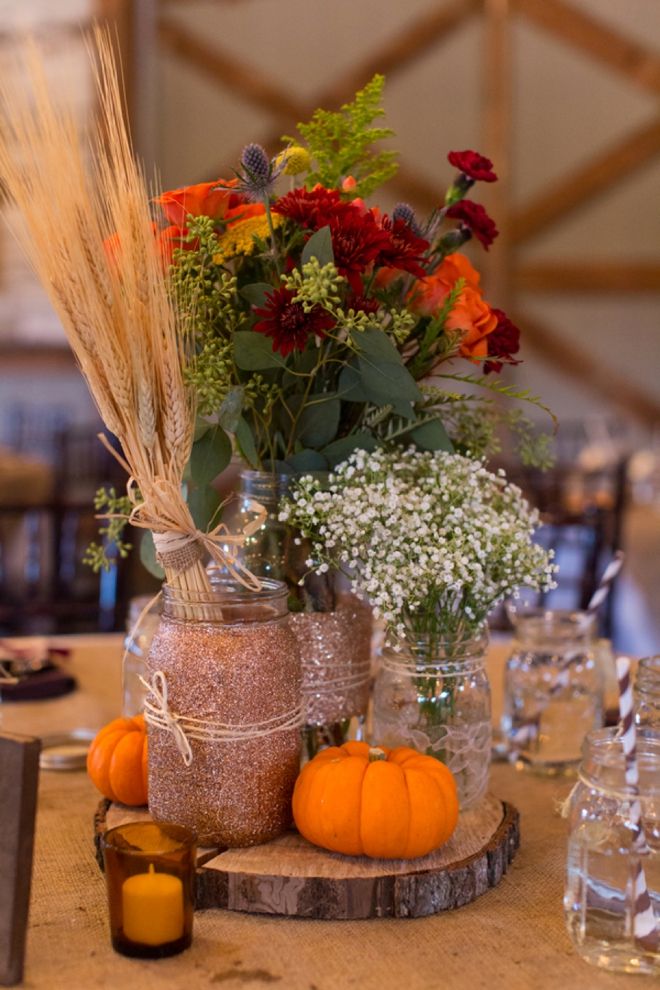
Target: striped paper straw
645	927
606	582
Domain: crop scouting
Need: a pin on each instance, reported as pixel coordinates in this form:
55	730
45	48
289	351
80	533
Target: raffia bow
179	543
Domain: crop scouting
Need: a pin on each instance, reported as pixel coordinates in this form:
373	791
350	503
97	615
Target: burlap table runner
513	937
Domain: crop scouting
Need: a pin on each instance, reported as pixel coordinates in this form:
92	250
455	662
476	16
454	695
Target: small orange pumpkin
390	804
117	760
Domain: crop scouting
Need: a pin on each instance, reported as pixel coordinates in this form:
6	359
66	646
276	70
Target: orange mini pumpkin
390	804
117	761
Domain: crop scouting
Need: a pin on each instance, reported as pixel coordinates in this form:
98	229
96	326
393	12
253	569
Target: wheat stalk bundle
86	228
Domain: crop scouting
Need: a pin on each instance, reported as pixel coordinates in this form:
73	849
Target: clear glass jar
264	553
553	688
602	861
647	693
332	626
231	669
434	696
141	623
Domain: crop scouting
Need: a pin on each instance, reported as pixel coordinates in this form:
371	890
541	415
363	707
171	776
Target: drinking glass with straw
612	893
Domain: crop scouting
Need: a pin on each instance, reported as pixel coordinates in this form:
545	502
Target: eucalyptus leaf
432	436
201	426
203	504
339	450
254	352
319	246
148	555
230	410
209	456
245	441
389	380
350	385
307	460
318	423
256	292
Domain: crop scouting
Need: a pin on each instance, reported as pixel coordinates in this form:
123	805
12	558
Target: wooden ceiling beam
588	276
639	65
581	365
584	184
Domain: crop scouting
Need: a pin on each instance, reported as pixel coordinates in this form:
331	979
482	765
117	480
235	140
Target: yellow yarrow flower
295	160
239	240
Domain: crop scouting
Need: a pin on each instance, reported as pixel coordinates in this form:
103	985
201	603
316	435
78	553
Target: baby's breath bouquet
434	541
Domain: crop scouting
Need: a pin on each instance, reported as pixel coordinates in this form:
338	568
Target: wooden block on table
19	776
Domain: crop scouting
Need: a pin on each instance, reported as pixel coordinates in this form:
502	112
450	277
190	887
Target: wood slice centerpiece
289	876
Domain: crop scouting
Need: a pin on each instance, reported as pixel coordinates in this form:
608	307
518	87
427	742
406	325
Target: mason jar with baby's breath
433	541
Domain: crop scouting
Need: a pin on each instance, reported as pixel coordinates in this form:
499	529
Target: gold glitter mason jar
224	713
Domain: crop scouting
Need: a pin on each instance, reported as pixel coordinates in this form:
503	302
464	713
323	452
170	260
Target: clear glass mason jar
647	693
333	626
231	668
434	696
602	860
553	688
141	624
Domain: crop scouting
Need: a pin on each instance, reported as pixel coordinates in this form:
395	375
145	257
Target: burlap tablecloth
512	937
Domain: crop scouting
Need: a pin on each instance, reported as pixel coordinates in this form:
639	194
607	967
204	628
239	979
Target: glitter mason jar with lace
434	696
224	713
333	627
602	878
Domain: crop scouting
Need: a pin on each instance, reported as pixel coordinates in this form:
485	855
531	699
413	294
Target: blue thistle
405	213
258	172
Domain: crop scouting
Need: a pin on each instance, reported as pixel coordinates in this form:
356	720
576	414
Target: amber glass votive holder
150	876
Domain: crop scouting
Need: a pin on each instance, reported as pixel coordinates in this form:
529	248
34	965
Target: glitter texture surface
335	649
233	793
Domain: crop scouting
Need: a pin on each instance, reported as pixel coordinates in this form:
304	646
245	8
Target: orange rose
207	199
473	316
428	295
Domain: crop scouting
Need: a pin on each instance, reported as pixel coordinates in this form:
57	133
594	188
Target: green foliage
114	510
341	142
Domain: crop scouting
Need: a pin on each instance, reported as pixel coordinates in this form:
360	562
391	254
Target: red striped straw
606	582
645	926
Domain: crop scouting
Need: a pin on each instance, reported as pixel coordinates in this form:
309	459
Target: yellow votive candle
152	905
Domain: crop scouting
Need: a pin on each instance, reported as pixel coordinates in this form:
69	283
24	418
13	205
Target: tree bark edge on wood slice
395	893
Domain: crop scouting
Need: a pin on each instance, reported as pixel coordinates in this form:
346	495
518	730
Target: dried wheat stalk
114	303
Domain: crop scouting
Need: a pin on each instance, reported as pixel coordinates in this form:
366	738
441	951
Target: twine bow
158	505
159	714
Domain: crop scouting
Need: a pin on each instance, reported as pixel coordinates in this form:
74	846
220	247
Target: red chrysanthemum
503	342
474	217
362	304
475	166
406	249
357	241
287	323
311	208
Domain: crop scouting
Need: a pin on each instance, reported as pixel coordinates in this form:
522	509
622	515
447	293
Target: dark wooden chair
44	586
582	519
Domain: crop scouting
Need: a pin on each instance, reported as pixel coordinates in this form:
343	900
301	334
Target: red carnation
475	166
287	322
406	250
473	217
502	342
